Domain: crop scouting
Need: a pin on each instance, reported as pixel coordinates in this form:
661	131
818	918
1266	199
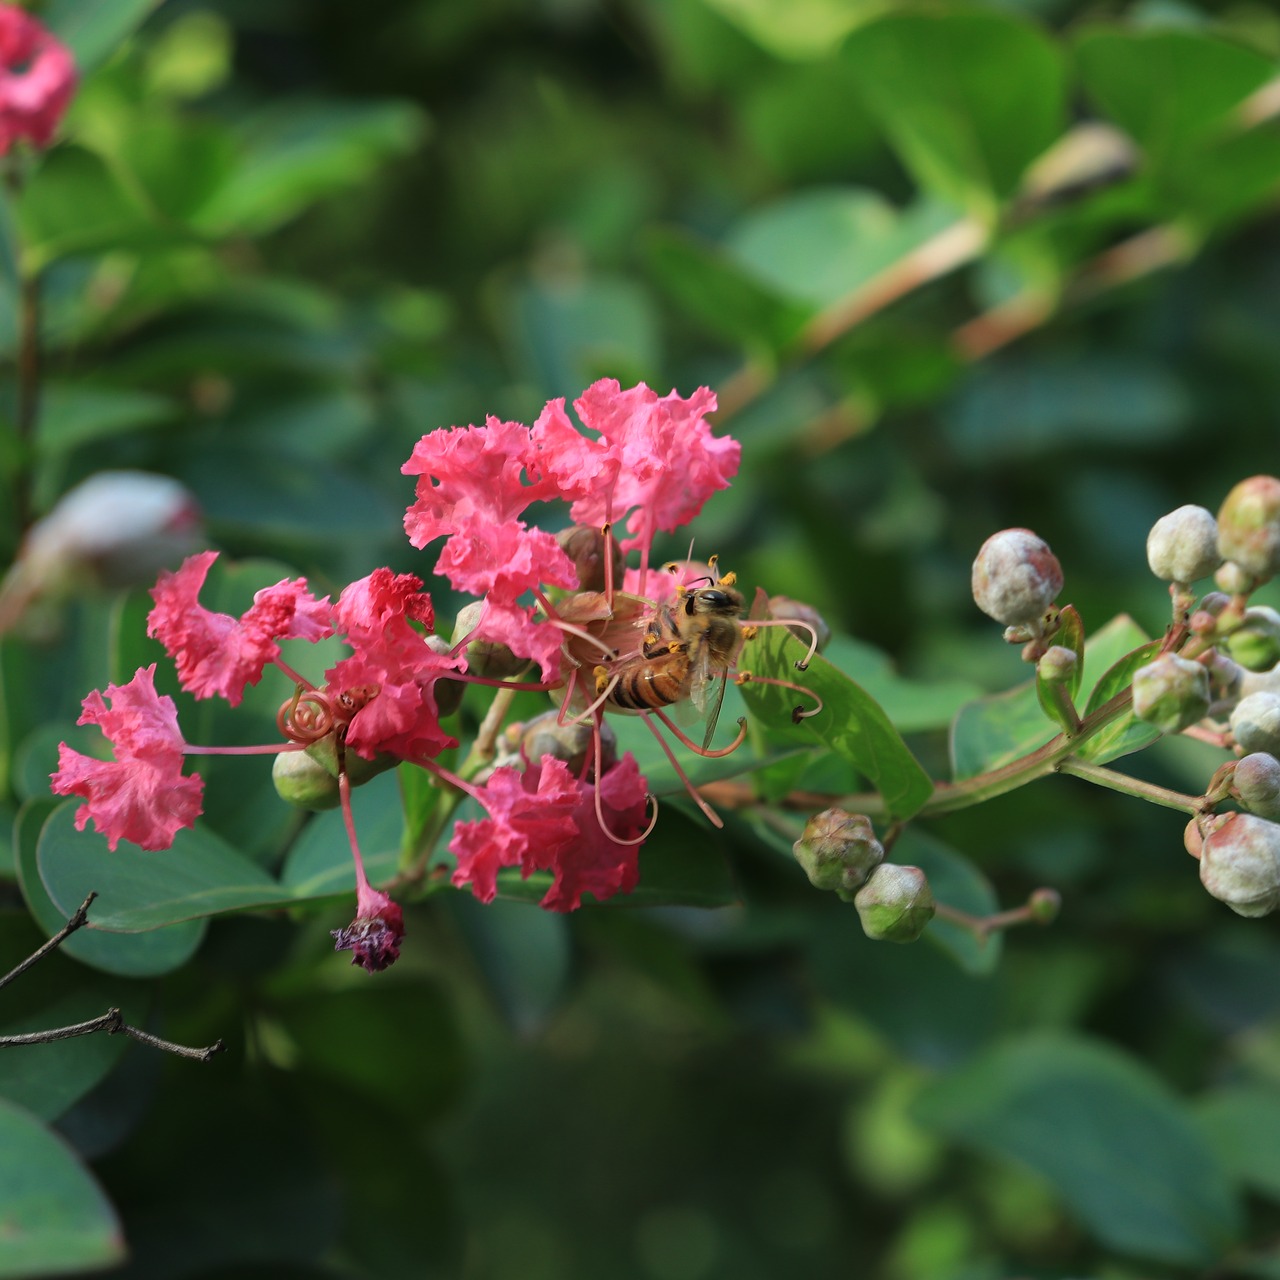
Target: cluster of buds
840	853
558	799
1214	649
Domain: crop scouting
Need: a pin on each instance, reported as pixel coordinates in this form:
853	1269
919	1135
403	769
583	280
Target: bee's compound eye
715	599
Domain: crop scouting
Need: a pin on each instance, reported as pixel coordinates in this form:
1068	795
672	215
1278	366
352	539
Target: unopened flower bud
1255	644
485	657
1015	577
1183	546
1249	526
787	609
116	529
304	782
1255	723
895	904
1234	580
373	937
358	770
1240	864
585	546
448	693
1043	905
1057	664
571	743
1225	678
1255	782
838	850
1171	693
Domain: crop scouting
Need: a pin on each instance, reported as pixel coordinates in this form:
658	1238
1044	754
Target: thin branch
112	1022
78	920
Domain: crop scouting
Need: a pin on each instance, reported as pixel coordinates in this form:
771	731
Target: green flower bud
1240	864
1171	693
1183	546
1016	577
895	904
585	547
571	743
448	692
1044	905
785	608
1255	723
1225	678
838	850
359	770
1058	664
484	657
1255	782
304	782
1249	526
1255	644
1234	580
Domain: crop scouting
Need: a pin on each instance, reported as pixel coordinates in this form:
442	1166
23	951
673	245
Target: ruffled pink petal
504	561
515	626
141	795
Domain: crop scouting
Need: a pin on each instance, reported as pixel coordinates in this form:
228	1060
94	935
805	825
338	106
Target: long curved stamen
447	775
712	815
799	713
604	826
261	749
520	686
582	634
705	752
307	717
791	622
607	532
601	698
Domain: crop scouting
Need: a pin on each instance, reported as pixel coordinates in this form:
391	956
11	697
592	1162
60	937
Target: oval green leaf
54	1218
851	722
1118	1146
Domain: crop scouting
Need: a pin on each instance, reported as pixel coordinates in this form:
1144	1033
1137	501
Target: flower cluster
643	461
37	80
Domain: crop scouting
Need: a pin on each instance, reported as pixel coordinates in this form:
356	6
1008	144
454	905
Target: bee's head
715	601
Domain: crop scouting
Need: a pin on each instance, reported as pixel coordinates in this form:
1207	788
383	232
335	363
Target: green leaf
1004	726
94	29
56	1218
199	876
295	151
712	288
808	29
1128	733
957	882
1170	87
850	722
968	98
817	246
1107	1133
1242	1125
75	414
74	205
131	955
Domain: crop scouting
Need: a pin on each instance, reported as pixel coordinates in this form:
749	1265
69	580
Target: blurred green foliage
281	241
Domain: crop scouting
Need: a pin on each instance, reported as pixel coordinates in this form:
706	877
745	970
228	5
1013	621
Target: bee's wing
706	690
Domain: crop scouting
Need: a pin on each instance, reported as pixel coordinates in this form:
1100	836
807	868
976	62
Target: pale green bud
448	693
895	904
1183	546
1240	864
304	782
572	743
838	850
1171	693
1255	723
1255	644
1016	577
1249	526
358	769
1058	664
1255	782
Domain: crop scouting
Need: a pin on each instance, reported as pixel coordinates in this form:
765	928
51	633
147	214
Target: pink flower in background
142	794
37	80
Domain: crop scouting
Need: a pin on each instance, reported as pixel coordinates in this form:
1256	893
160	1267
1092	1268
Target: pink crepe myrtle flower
216	653
543	818
37	80
141	795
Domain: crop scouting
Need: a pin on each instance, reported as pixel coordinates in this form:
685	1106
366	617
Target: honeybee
687	652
